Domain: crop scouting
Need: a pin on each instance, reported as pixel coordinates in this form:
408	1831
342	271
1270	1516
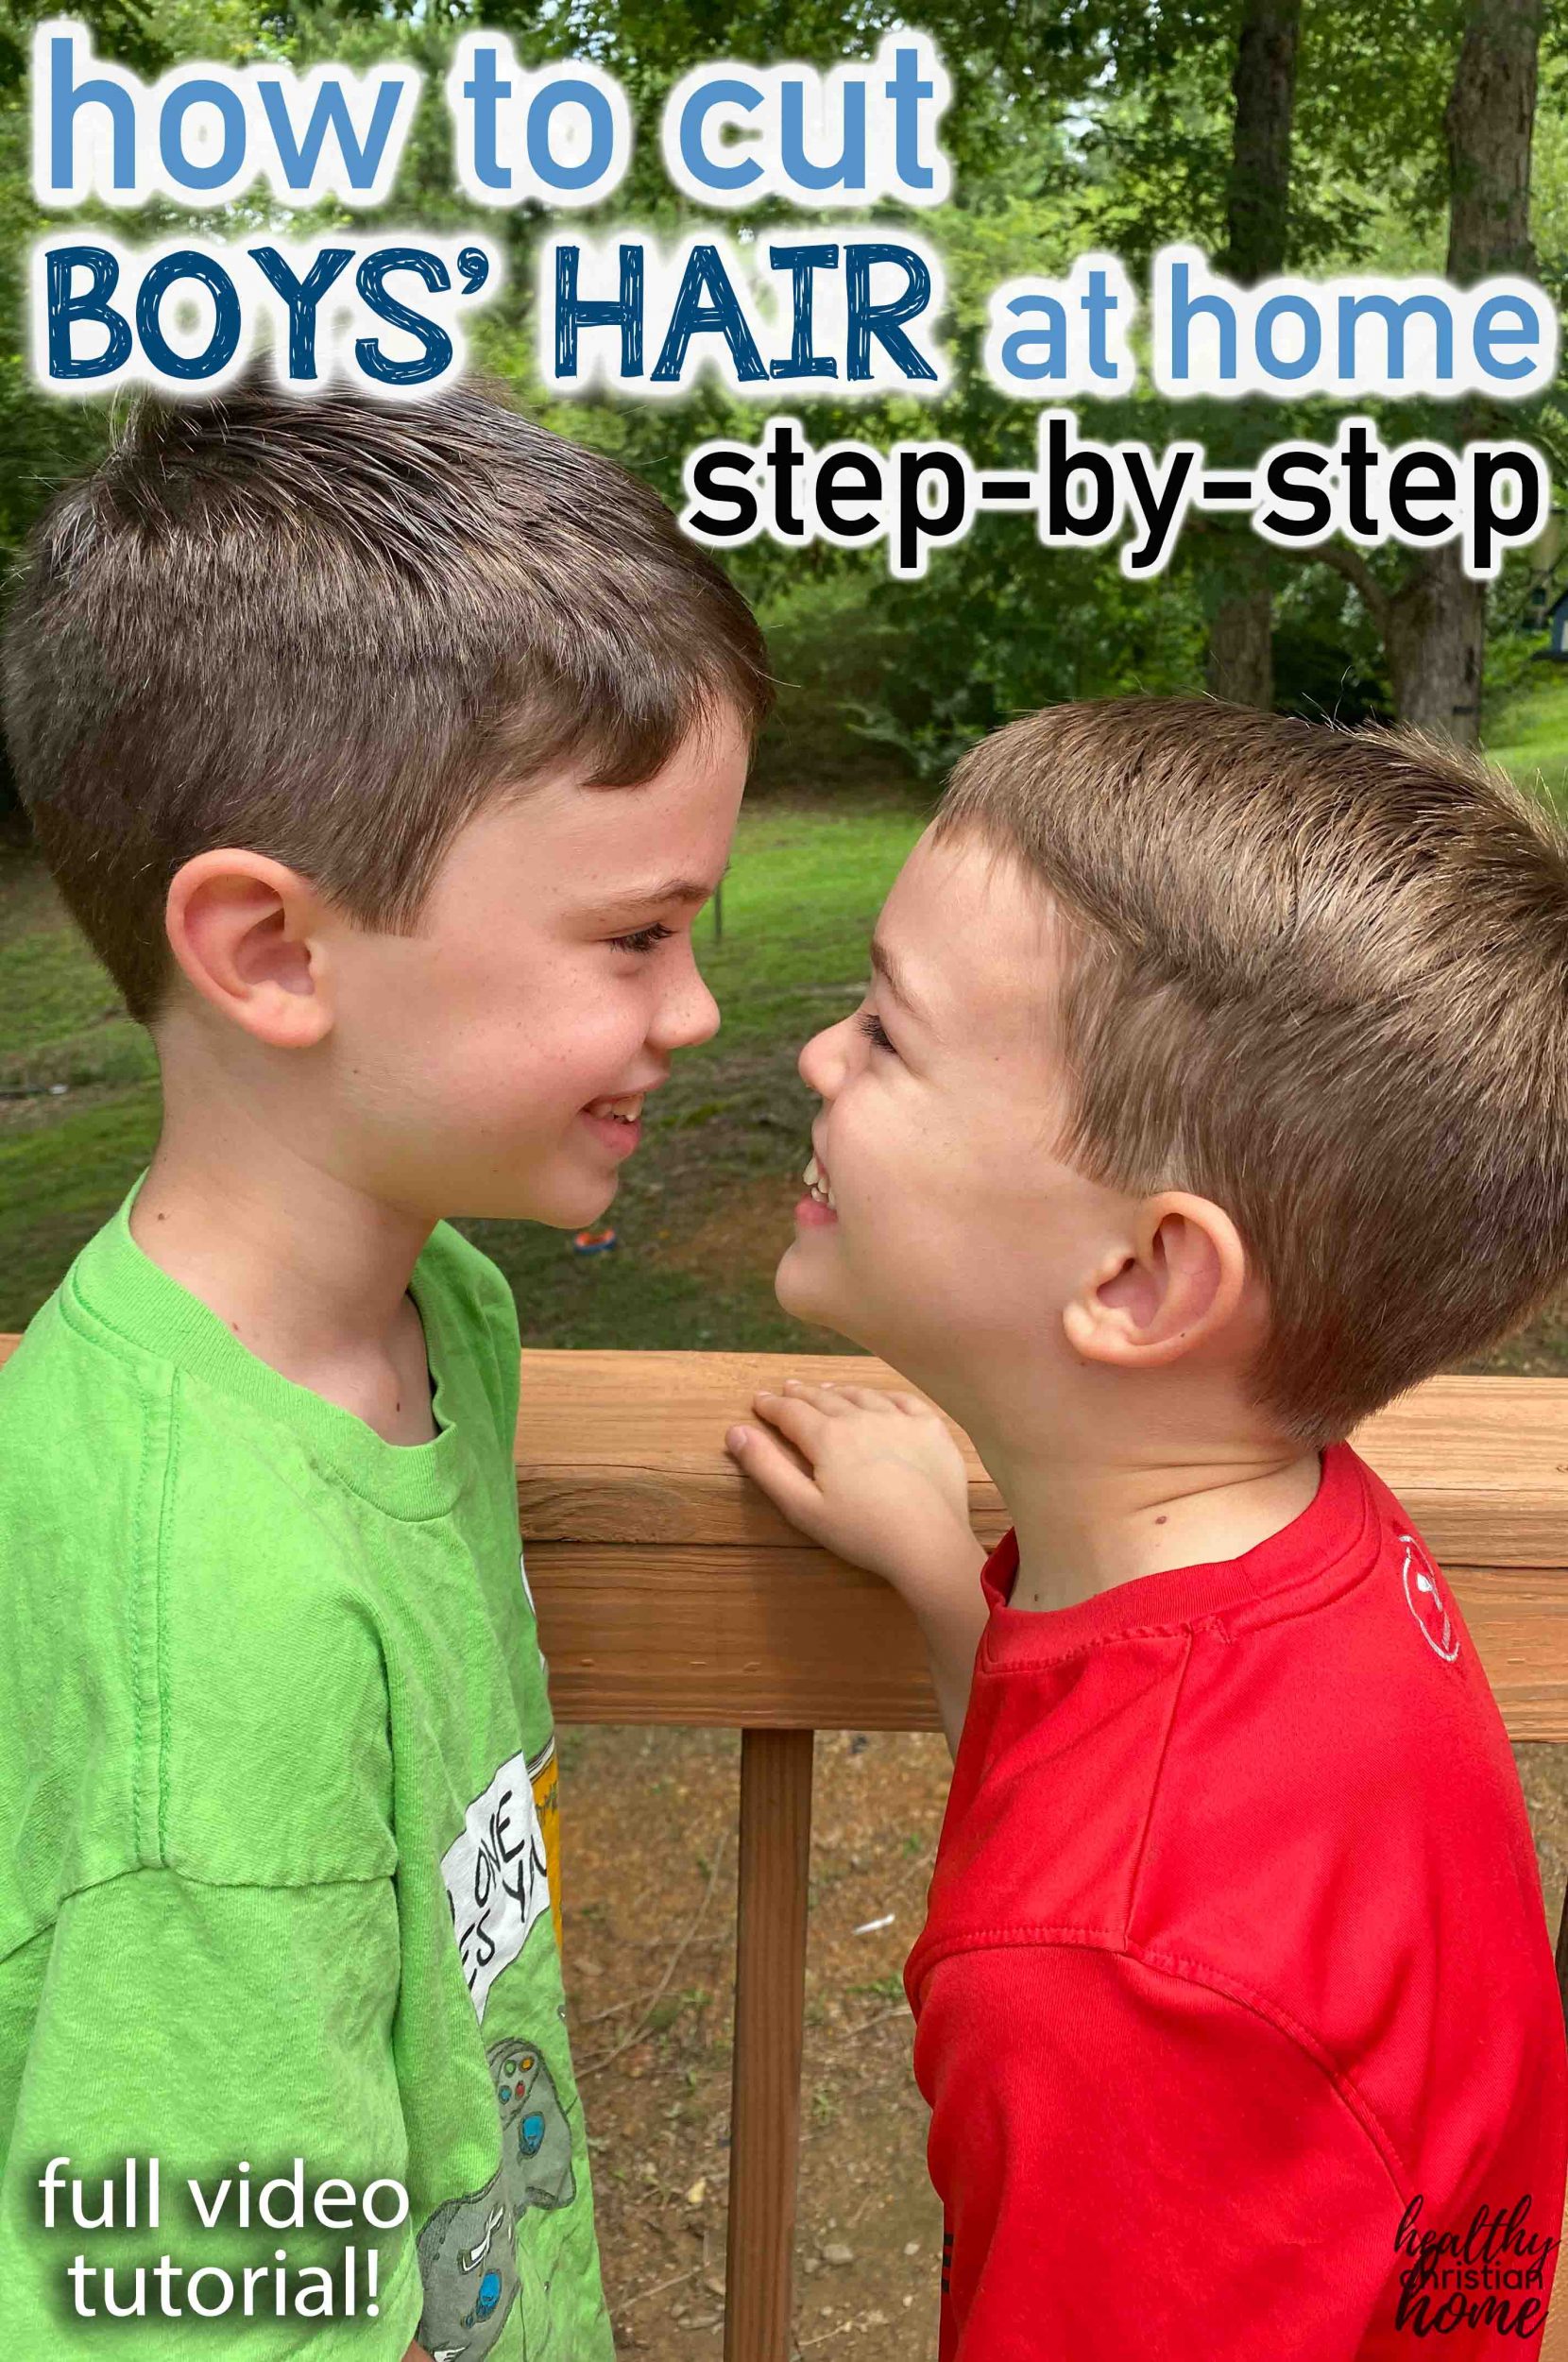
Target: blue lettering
220	347
882	320
849	172
1051	335
721	316
302	296
712	175
171	129
92	303
370	278
66	99
803	263
573	310
574	92
1493	328
329	111
1288	307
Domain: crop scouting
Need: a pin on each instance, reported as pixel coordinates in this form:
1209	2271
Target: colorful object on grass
593	1241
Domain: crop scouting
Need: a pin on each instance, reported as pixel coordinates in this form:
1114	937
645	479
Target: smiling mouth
815	1178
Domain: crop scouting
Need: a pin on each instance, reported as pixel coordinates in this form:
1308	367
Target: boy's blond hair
1319	976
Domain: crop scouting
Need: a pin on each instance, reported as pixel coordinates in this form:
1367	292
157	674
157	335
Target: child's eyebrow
633	903
888	969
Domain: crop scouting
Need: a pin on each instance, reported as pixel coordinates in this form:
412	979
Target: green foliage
1104	123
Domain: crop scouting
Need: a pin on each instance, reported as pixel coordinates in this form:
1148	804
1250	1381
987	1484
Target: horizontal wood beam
670	1591
629	1447
796	1640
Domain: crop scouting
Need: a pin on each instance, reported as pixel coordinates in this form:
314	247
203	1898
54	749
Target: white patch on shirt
528	1595
1424	1599
496	1878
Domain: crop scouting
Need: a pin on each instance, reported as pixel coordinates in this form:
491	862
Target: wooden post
769	2015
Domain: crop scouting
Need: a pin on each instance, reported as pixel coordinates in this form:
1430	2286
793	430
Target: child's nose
687	1015
821	1062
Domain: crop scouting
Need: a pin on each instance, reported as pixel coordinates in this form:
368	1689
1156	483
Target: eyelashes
644	938
871	1026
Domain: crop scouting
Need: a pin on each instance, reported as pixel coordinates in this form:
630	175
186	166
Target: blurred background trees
1312	135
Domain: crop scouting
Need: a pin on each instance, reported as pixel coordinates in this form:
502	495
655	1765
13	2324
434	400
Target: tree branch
1354	567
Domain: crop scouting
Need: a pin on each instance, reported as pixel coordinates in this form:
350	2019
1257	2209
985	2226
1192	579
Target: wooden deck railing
669	1591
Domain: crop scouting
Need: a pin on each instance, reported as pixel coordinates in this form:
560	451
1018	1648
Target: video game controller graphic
467	2258
535	2137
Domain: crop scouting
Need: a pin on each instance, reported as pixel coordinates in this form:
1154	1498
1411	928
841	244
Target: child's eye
644	938
871	1026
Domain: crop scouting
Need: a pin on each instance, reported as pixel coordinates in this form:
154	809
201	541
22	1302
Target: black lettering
710	471
1293	476
1405	490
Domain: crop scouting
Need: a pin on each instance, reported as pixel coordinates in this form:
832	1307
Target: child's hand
883	1485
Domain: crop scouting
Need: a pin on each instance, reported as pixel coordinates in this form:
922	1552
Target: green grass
1529	735
700	1211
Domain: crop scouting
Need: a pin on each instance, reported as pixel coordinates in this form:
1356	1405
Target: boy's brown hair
328	631
1319	976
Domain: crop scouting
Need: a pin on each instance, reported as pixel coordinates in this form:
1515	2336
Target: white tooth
810	1177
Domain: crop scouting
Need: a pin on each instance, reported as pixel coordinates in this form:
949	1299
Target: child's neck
1112	1526
308	1271
1179	1482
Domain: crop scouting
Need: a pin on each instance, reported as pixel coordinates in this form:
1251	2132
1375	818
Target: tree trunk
1489	123
1242	637
1258	200
1240	651
1435	635
1438	619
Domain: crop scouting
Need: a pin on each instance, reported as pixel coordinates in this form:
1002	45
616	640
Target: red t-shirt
1236	1974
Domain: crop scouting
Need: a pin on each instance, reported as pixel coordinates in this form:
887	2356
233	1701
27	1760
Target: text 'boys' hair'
328	631
1319	977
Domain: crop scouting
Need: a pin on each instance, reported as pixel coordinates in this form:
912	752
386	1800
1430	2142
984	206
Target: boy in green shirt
386	756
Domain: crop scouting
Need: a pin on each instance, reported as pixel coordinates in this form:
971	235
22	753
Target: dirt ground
648	1862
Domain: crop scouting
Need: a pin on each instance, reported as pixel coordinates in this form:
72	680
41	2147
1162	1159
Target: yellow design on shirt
544	1771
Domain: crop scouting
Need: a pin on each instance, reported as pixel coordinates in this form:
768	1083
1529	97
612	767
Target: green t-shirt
278	1875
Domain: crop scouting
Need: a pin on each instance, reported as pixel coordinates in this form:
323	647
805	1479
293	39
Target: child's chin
566	1206
801	1293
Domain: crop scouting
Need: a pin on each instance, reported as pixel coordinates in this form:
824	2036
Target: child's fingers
802	1421
867	1397
825	1397
771	1468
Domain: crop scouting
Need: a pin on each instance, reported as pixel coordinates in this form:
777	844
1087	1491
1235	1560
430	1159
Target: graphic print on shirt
544	1777
502	1870
1424	1599
467	2254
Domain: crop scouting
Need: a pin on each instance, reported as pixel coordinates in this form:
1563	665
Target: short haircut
1319	977
330	630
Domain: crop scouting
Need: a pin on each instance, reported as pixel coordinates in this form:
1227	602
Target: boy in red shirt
1211	1090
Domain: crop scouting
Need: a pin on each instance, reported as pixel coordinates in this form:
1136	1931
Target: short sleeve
1132	2163
215	2028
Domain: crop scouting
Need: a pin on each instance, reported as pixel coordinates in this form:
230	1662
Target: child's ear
1175	1281
247	934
